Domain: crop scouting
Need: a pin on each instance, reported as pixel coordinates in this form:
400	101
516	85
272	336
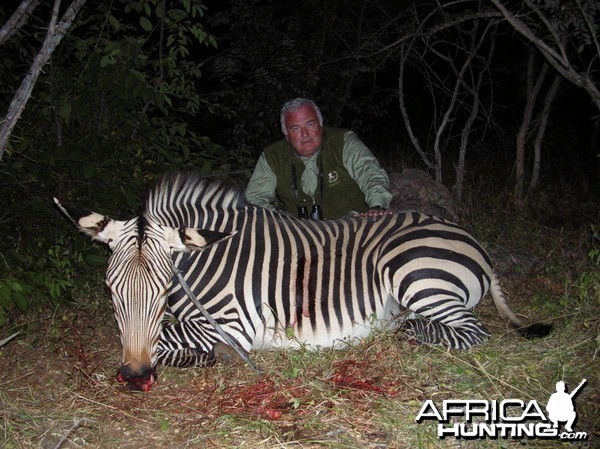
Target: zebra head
139	276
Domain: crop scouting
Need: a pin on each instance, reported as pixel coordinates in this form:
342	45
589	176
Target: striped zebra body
288	282
273	281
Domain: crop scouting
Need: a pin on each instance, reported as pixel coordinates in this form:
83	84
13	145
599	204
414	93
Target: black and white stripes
271	280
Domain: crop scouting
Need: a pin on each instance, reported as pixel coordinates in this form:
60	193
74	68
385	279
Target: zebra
271	280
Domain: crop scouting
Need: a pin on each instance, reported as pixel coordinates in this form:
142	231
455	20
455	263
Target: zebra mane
183	199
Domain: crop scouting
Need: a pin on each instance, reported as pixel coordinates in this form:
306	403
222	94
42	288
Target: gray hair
293	106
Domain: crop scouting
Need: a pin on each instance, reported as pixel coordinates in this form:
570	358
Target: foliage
118	105
46	272
134	88
268	56
587	286
578	20
140	87
261	64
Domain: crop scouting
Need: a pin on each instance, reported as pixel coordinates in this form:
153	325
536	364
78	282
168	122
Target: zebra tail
536	330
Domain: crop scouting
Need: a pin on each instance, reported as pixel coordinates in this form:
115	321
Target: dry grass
58	389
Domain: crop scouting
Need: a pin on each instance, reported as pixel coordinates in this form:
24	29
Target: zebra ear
97	226
191	239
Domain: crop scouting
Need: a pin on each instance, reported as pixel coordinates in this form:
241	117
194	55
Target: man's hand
376	211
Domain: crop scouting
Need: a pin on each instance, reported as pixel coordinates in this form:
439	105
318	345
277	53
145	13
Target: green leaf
14	285
106	60
131	199
186	151
20	301
65	111
53	291
159	100
159	10
94	260
114	22
5	296
145	24
89	171
206	167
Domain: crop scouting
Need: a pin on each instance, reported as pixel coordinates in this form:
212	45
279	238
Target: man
318	166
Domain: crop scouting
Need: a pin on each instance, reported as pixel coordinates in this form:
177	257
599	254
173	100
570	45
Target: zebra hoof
416	331
434	333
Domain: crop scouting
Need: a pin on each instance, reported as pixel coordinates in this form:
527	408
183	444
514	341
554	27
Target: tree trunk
55	33
457	190
405	118
450	113
533	89
537	145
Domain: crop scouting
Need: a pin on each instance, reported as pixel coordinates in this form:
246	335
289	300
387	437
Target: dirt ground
58	387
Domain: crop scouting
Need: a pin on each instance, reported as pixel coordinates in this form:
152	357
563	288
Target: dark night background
137	88
133	91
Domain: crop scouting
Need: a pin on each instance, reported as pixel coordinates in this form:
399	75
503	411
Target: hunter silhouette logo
560	405
509	418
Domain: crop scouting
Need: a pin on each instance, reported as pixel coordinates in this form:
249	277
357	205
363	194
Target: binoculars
316	213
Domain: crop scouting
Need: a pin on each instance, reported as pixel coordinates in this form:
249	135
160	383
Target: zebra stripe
271	280
325	280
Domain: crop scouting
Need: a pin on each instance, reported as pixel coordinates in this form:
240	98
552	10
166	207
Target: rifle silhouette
576	390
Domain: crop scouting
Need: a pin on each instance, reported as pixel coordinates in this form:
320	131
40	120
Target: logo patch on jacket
332	177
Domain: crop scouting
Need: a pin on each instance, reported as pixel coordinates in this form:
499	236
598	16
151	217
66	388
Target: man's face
304	131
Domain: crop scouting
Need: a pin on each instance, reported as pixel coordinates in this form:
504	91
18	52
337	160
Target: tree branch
436	29
409	130
8	339
590	28
17	20
556	60
557	40
423	34
55	33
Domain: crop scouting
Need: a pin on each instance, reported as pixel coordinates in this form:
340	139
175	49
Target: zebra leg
185	358
461	333
177	347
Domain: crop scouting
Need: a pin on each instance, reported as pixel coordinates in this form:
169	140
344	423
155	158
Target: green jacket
343	176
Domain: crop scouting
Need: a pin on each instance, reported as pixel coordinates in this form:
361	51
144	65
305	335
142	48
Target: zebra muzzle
136	381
